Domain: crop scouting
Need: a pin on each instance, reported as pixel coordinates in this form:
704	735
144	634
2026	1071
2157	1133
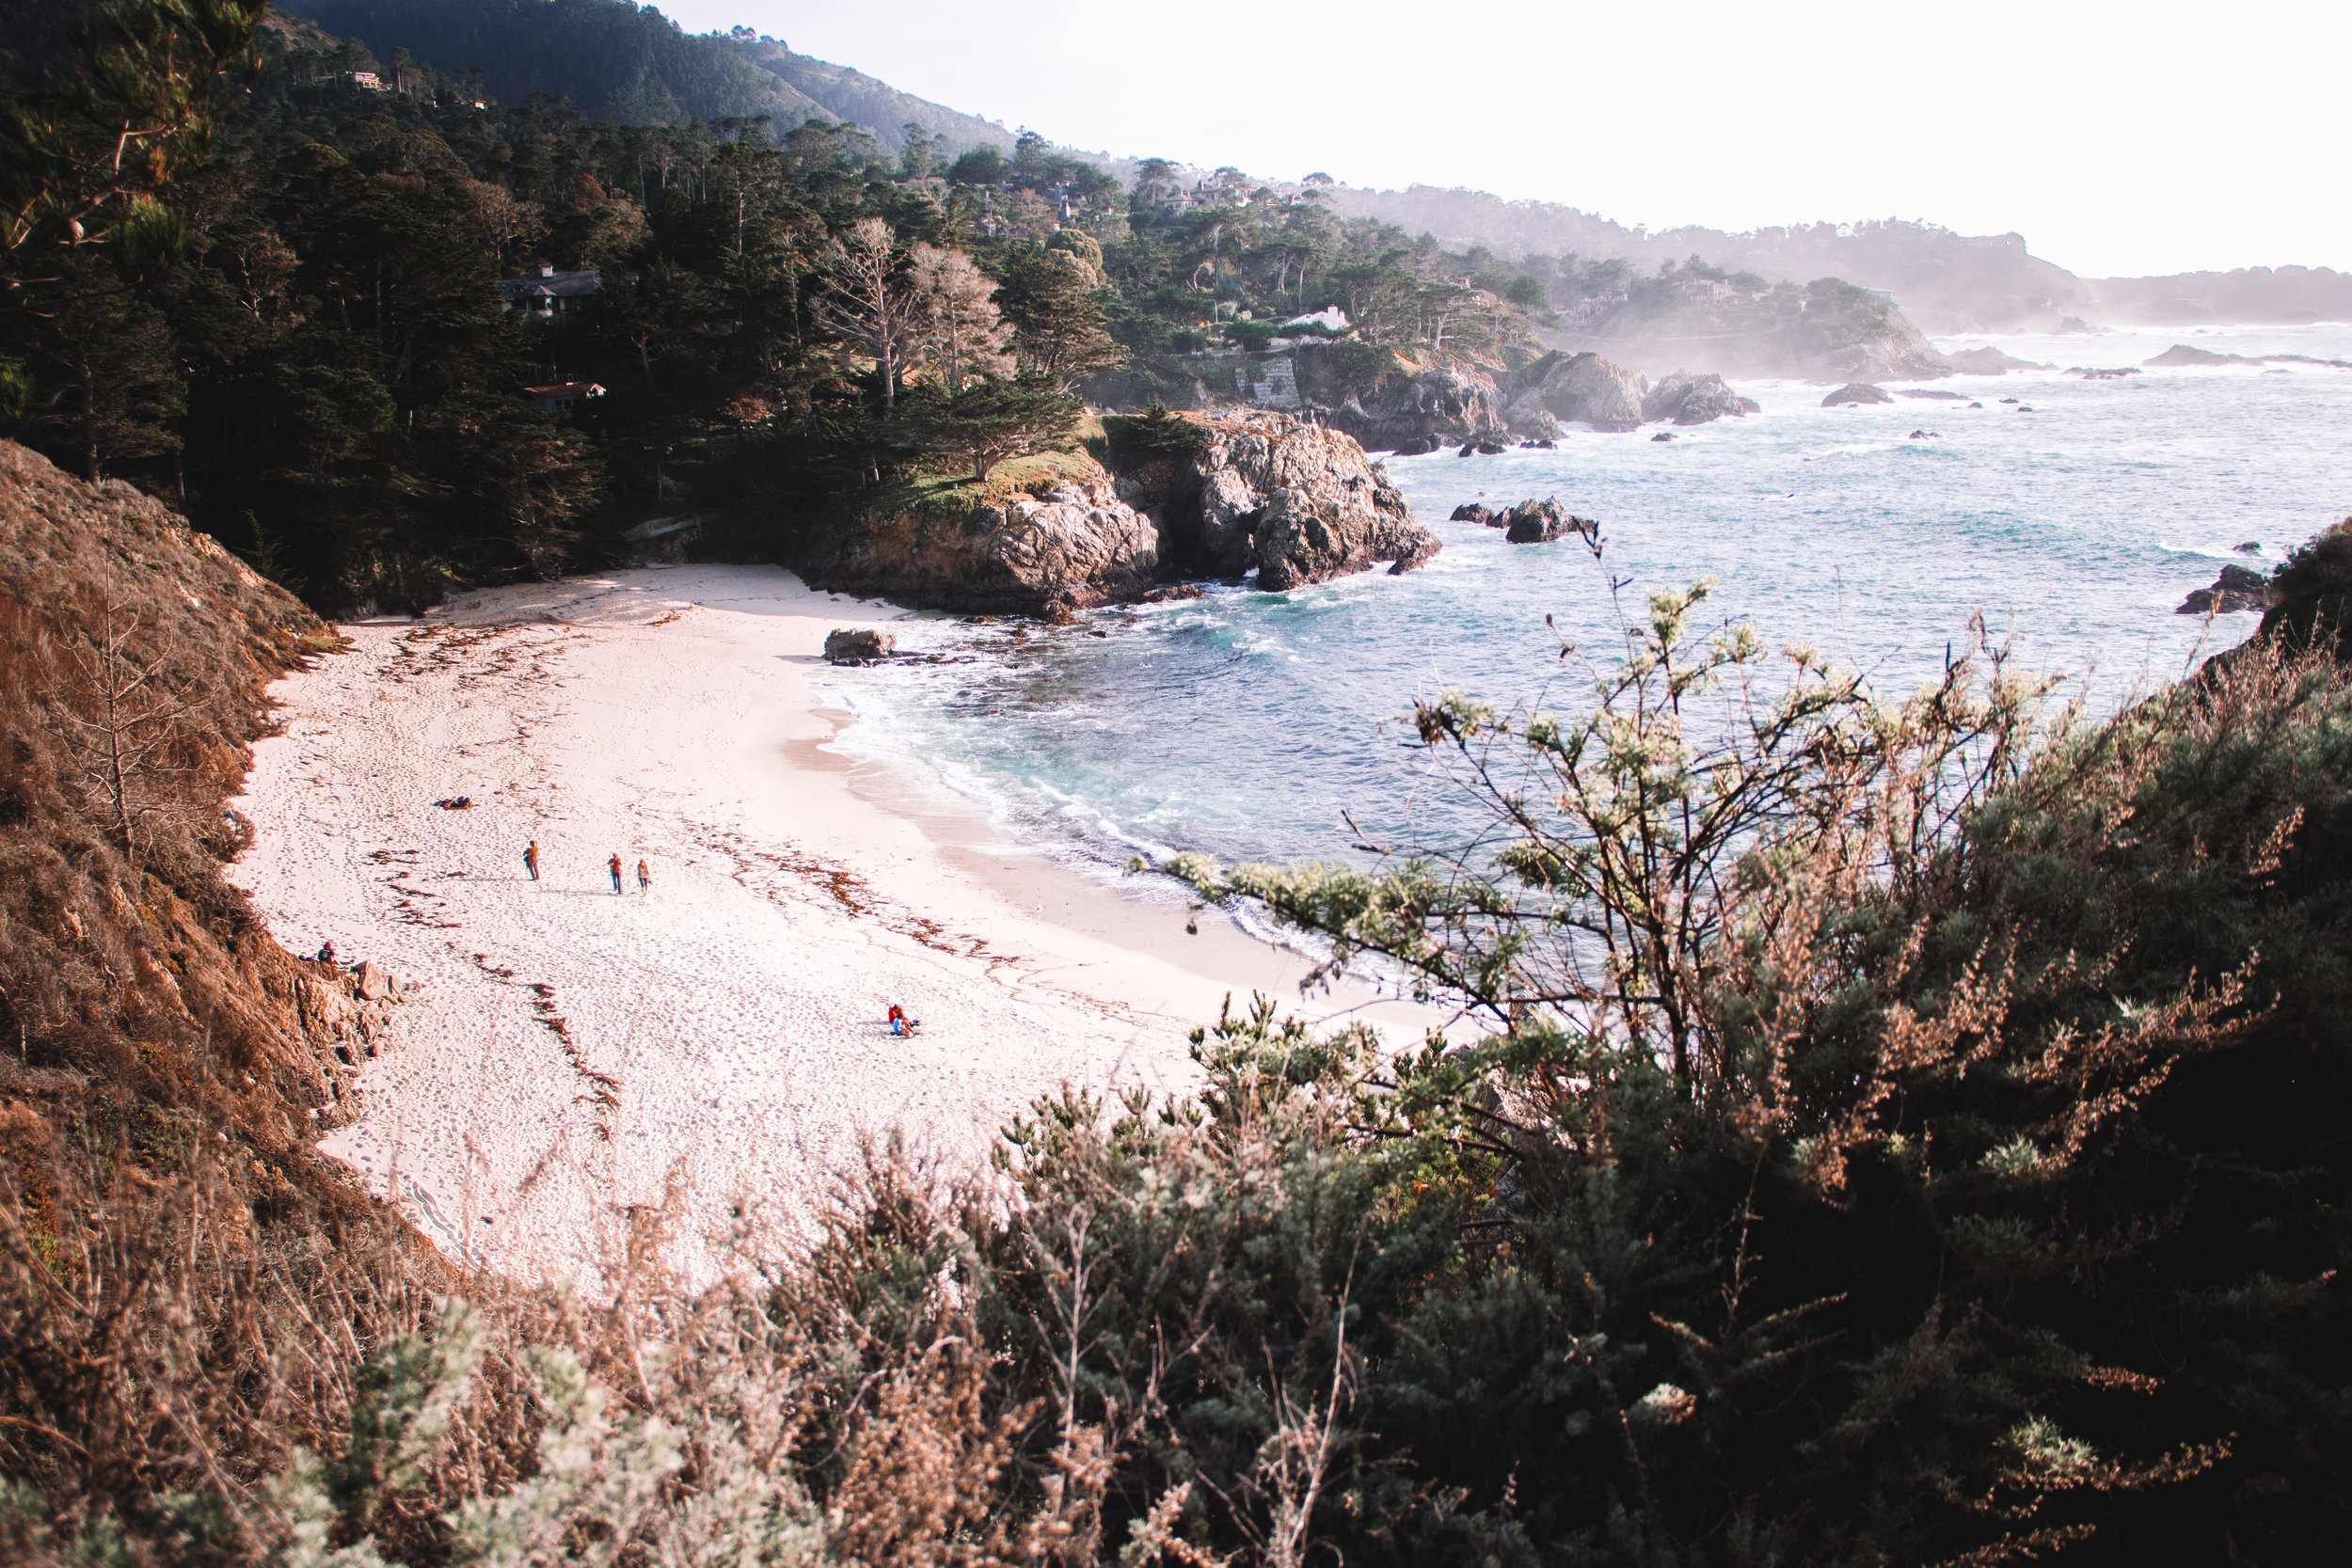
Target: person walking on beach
616	873
644	877
531	859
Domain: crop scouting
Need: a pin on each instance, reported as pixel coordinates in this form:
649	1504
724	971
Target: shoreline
569	1067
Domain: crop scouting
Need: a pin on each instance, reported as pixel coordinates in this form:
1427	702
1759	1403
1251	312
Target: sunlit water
1245	724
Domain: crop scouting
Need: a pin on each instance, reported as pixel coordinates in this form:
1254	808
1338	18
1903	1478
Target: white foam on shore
721	1035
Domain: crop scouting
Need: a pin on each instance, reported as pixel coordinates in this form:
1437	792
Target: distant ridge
635	65
1945	281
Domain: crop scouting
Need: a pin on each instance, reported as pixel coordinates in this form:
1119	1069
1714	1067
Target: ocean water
1250	725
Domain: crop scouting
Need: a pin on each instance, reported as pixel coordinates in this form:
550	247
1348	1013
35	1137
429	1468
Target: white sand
724	1035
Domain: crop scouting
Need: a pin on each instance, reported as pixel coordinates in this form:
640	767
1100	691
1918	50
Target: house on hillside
549	293
366	81
562	397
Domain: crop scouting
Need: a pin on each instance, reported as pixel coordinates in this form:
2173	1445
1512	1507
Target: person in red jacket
616	873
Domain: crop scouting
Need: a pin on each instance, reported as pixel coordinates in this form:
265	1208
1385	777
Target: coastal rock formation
1990	361
1222	509
858	647
1419	408
1936	393
1898	351
1295	501
1688	399
1076	545
1855	392
1541	522
1578	388
1470	512
2237	588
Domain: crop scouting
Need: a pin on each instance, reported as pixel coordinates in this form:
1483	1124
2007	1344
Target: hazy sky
2119	138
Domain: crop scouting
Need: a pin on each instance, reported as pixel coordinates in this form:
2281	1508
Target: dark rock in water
2237	588
1922	435
1854	392
1173	593
1976	406
2008	400
1470	512
2092	373
1664	436
858	647
1688	399
1413	446
1404	563
1541	522
2251	546
1480	449
1938	393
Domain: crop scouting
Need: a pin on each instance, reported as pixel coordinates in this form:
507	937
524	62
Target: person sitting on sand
644	877
616	873
327	955
531	859
898	1019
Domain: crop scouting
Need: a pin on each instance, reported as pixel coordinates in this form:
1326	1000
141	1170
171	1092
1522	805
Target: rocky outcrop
1203	496
858	647
1073	544
1417	408
1990	361
1542	522
1470	512
1578	388
1299	502
1855	392
2235	589
1688	399
1898	351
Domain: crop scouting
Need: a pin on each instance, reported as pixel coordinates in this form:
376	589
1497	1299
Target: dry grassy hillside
166	1063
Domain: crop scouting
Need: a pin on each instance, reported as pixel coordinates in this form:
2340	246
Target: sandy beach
565	1055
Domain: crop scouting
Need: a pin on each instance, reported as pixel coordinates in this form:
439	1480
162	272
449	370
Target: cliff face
138	992
1295	502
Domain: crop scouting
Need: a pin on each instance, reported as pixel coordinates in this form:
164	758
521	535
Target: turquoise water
1244	724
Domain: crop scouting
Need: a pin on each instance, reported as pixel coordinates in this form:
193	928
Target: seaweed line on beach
604	1090
854	894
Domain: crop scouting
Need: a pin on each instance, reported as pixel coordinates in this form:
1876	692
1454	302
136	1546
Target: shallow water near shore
1250	725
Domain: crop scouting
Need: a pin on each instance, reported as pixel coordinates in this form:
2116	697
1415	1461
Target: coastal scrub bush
1914	1101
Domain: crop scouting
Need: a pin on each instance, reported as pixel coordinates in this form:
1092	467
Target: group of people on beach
644	871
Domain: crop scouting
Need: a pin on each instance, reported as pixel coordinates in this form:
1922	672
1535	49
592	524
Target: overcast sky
2119	138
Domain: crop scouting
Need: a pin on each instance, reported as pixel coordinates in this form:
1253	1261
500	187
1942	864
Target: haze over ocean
1244	724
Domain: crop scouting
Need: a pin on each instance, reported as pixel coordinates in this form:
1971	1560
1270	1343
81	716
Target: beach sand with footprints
568	1064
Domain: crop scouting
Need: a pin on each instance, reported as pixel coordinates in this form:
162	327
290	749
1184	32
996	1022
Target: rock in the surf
1540	522
1688	399
1470	512
843	647
1300	502
1856	392
2237	588
1578	388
